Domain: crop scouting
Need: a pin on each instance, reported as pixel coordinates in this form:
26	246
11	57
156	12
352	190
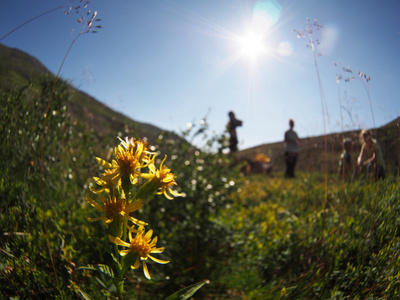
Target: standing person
231	127
292	149
371	156
345	161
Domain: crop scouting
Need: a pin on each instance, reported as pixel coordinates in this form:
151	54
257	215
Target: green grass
253	237
294	244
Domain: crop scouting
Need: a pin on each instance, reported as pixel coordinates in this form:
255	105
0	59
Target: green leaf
88	267
116	260
106	270
127	261
187	292
84	295
80	291
101	282
102	268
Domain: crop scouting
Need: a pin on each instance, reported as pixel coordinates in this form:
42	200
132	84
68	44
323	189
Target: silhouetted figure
232	124
345	161
292	149
371	156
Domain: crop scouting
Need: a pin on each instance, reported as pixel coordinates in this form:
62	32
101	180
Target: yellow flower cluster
131	159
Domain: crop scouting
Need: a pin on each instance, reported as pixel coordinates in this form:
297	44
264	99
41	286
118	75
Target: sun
251	45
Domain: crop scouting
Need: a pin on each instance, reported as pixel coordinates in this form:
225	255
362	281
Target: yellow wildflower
130	157
105	185
143	246
163	179
116	209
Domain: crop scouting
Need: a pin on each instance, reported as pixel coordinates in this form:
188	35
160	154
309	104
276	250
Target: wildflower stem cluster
125	184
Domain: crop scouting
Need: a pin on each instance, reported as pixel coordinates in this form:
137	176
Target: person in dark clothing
292	149
231	127
345	170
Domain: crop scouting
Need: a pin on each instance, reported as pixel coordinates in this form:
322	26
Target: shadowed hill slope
17	68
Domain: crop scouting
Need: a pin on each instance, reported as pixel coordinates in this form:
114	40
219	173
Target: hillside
17	68
312	156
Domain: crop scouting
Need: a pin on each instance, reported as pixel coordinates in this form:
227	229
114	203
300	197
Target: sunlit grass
291	240
250	237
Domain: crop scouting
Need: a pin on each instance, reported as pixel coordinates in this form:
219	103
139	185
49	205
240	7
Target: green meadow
85	215
229	236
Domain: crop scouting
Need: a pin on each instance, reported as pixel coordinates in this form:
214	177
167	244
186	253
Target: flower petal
108	221
136	221
158	250
154	241
99	191
94	204
146	271
124	252
148	234
158	260
118	241
103	163
146	175
96	219
137	263
168	196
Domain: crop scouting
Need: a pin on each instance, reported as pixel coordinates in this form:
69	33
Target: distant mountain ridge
18	67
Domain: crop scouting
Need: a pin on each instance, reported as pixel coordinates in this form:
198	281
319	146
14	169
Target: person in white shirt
345	170
371	156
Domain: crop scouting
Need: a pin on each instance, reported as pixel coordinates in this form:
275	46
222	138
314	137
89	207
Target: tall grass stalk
365	79
88	26
312	43
338	79
68	5
30	20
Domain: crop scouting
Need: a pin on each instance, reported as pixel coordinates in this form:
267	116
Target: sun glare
251	45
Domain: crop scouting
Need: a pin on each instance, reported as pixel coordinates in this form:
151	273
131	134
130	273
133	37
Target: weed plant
254	237
289	246
80	249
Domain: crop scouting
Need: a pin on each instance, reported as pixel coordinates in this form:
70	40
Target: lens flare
285	49
329	37
265	15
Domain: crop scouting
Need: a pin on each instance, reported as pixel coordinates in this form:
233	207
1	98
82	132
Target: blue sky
170	63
